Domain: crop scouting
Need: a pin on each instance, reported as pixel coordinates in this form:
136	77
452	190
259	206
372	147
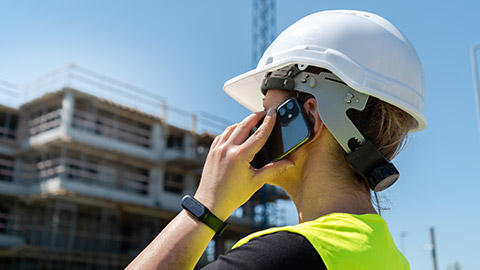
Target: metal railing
93	83
7	136
116	176
6	169
110	128
44	122
9	94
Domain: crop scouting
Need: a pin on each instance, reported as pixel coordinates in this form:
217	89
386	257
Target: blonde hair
385	125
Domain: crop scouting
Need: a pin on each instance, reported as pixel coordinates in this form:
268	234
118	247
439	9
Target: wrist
218	209
203	214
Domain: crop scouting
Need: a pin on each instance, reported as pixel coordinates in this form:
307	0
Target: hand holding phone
291	131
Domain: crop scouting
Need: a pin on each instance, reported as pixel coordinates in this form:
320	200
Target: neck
313	203
317	190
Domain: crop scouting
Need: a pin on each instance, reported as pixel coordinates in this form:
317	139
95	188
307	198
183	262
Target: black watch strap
202	213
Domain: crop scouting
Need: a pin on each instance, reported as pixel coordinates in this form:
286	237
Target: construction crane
263	27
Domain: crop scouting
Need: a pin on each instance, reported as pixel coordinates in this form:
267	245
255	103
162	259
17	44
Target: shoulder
279	250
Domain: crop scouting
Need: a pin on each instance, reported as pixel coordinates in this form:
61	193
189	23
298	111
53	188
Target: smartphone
291	131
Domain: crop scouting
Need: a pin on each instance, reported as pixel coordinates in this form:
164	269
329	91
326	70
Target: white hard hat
363	49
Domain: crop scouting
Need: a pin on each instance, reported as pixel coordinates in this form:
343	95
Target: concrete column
194	145
193	126
115	124
157	139
17	171
68	107
6	125
22	128
164	112
190	182
63	164
155	187
189	148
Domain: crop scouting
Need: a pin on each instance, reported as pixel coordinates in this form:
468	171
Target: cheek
274	98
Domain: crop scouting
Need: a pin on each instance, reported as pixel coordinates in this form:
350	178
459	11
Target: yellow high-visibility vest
347	241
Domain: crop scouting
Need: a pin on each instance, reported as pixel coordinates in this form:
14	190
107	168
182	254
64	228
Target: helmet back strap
334	98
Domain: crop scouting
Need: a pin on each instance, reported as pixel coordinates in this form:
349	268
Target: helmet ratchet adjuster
280	79
367	160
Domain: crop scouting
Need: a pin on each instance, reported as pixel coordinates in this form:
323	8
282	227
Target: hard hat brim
245	88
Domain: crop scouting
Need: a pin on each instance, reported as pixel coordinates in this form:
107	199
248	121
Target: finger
274	170
255	142
245	127
215	141
226	134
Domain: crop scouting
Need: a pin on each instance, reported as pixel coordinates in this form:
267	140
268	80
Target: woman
360	84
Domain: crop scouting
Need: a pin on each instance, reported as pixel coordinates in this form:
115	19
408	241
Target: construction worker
359	84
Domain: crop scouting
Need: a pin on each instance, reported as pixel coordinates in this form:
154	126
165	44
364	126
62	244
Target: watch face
195	208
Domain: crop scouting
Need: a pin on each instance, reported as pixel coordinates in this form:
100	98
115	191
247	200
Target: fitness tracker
202	213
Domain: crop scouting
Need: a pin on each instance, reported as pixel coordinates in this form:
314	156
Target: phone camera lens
282	111
290	105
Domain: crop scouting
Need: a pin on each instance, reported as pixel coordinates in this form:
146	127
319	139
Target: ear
311	112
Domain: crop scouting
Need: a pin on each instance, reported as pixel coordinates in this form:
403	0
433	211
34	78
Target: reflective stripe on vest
346	241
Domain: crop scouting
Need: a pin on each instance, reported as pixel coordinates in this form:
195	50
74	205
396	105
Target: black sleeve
280	250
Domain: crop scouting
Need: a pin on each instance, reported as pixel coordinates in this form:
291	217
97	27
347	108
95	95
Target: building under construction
92	169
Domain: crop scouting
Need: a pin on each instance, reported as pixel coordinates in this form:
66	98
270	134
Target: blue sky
186	50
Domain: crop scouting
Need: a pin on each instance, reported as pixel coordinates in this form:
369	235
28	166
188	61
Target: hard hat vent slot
333	80
316	70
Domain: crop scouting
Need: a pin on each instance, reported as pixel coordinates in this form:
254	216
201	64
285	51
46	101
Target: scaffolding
87	179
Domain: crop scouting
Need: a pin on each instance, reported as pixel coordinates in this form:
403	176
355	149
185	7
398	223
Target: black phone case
286	137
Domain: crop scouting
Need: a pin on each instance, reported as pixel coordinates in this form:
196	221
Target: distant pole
402	238
434	256
473	54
